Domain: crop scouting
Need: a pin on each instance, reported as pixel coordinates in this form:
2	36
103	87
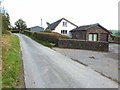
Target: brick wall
86	45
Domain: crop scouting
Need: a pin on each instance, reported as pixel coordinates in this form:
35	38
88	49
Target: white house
62	26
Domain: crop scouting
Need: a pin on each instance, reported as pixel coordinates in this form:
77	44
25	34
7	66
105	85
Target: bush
48	31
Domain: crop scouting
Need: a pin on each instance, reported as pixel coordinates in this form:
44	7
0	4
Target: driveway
46	68
106	63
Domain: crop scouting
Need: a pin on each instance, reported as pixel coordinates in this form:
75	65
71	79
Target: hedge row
48	37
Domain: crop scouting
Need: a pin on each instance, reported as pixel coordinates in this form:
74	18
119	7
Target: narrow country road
46	68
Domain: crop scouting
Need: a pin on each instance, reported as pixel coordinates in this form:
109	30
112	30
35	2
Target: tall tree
20	24
5	18
5	22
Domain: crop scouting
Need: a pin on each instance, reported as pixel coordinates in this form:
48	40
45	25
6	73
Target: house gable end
69	22
53	25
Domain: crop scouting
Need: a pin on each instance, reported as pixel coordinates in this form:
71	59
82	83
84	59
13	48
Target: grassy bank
12	66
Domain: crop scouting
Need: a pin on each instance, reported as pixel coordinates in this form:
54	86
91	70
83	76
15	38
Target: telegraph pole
41	22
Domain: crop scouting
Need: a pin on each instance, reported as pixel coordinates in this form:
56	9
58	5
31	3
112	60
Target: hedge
48	37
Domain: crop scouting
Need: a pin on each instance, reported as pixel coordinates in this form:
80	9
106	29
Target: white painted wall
61	27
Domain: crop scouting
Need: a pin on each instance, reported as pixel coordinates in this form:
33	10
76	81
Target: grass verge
12	65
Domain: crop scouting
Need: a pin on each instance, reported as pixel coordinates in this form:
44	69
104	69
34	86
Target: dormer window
64	24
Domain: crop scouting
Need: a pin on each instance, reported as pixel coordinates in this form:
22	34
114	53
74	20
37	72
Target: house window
63	31
93	37
64	24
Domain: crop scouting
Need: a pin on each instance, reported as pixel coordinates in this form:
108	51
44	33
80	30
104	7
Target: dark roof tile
87	27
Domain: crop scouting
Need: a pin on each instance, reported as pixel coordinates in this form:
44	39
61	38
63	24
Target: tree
48	30
20	24
5	22
5	19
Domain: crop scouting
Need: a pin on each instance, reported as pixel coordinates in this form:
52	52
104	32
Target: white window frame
63	31
64	24
90	37
93	37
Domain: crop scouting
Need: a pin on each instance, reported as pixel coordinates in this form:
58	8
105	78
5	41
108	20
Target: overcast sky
80	12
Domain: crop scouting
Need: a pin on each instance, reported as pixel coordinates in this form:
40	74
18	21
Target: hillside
115	32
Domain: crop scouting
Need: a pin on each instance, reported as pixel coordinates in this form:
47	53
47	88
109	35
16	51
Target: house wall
81	35
99	31
61	27
36	29
84	35
110	38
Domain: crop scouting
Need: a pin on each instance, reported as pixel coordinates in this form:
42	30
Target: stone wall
86	45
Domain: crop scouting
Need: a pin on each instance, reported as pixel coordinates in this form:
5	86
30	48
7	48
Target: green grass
11	64
47	44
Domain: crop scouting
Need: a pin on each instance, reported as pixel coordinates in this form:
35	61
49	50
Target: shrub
48	31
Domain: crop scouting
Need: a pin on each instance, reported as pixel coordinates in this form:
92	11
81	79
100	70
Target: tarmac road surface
46	68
